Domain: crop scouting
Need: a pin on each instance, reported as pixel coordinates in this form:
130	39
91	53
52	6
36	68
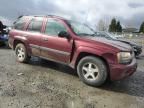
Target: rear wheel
92	71
21	53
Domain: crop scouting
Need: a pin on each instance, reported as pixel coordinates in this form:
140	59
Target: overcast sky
129	12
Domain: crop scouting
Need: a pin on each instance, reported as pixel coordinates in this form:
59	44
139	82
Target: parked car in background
74	44
137	48
4	36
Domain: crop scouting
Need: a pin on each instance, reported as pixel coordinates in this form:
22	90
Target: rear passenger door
34	35
54	47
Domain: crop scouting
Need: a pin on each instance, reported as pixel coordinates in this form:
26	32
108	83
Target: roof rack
49	16
42	16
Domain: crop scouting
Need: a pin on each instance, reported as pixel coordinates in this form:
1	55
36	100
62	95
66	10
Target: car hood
117	44
130	43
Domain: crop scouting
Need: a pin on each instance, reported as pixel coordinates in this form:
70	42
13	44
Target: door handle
45	39
25	35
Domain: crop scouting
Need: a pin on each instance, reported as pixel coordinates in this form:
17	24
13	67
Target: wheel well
16	42
83	54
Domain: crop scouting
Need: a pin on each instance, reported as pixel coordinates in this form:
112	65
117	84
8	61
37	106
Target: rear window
35	24
19	24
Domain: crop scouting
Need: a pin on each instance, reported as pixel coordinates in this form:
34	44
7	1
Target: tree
112	26
115	26
102	25
118	27
141	30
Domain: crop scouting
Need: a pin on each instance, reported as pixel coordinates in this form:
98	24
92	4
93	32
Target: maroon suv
72	43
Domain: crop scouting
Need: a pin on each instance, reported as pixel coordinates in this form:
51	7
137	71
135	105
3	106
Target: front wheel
92	71
21	53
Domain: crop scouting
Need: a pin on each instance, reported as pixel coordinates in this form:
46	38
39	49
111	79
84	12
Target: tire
21	53
92	71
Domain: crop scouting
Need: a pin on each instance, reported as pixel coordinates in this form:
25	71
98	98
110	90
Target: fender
21	38
24	40
103	53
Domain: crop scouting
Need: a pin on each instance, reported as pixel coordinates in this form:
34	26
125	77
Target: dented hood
120	45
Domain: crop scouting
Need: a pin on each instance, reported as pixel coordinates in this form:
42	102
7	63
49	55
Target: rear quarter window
19	24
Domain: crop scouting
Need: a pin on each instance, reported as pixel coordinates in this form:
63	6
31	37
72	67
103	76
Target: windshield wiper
93	35
85	34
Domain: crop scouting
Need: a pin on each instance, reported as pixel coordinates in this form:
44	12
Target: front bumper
120	71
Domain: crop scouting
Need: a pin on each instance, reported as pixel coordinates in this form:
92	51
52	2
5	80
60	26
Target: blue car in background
4	37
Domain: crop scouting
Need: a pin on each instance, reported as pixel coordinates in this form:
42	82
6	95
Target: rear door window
35	25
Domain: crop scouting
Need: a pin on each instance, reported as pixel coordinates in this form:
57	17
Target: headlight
124	57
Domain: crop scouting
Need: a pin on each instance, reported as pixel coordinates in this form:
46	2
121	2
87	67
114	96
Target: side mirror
64	34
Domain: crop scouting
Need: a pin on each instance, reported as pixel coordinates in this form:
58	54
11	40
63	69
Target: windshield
81	29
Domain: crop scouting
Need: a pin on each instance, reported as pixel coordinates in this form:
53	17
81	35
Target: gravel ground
45	84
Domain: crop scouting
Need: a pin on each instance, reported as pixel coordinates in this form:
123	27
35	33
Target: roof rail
42	16
50	16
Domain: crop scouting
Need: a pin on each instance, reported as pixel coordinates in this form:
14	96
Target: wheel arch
84	54
17	41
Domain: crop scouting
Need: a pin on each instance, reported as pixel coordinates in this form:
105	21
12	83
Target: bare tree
102	25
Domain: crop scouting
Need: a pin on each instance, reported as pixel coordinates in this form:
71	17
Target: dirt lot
44	84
